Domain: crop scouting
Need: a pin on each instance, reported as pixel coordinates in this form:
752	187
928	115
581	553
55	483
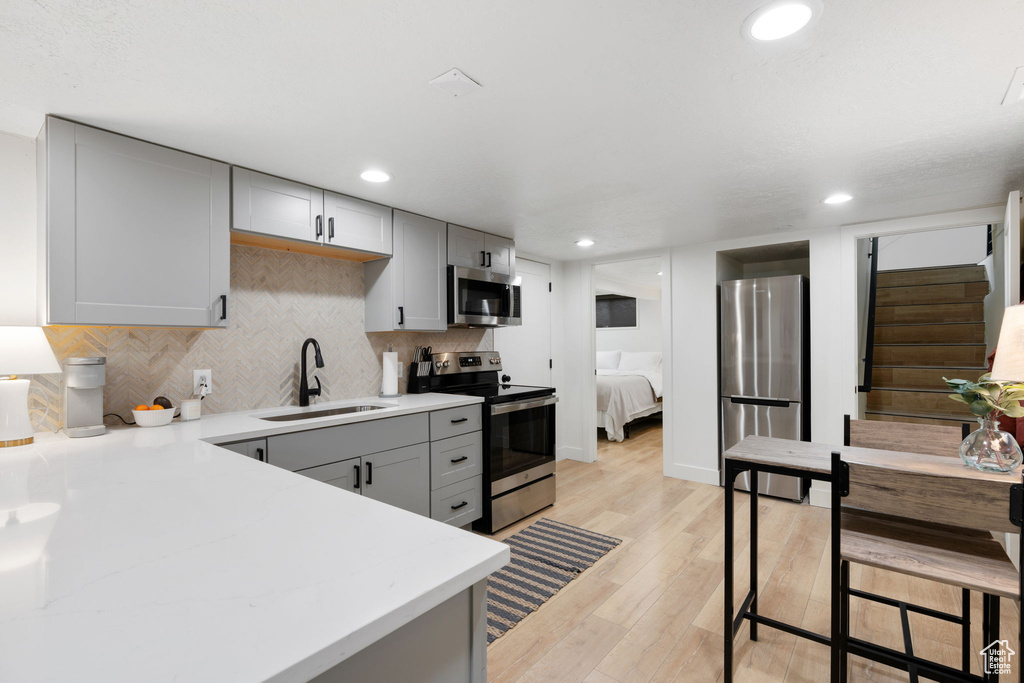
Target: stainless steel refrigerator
765	353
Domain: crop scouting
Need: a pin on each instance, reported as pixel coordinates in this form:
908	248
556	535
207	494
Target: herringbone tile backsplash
278	299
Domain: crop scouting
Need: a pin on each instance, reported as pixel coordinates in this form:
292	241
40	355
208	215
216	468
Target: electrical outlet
400	368
201	378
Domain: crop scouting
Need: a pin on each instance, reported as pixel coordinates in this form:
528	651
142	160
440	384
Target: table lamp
23	351
1009	362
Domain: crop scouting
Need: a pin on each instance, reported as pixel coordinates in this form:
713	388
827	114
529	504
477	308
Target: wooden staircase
929	324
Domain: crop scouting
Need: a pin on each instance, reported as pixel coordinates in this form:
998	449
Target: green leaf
1014	411
958	397
981	407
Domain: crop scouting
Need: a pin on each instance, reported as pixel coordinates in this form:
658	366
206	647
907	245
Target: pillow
608	360
644	361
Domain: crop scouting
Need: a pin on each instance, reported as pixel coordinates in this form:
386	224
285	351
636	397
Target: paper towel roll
389	386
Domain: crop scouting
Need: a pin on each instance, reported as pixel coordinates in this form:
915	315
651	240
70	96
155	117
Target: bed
629	387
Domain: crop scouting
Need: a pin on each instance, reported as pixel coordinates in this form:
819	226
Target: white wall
933	248
17	230
646	336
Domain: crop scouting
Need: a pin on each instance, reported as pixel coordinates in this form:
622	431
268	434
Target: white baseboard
570	453
821	494
702	475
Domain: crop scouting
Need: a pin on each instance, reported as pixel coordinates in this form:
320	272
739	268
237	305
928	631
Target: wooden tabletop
816	457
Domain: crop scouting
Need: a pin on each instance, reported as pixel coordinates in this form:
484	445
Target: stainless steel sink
309	415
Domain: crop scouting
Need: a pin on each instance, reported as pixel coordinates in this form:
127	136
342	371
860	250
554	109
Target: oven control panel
454	362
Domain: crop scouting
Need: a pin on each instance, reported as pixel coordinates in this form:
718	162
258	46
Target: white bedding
624	395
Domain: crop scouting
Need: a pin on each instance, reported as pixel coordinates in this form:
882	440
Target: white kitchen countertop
152	555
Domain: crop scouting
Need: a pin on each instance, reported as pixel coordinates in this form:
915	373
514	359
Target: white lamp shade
25	351
1009	362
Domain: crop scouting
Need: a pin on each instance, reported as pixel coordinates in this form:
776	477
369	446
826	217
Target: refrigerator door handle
769	402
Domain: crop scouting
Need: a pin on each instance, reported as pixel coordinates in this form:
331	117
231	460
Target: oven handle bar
503	408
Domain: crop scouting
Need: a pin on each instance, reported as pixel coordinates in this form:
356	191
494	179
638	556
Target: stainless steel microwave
480	298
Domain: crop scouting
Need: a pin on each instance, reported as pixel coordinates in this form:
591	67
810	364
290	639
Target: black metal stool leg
965	630
844	632
730	475
754	483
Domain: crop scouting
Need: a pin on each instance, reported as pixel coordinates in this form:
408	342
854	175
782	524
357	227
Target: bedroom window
615	310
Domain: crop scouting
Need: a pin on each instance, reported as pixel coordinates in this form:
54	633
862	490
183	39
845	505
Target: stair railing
869	342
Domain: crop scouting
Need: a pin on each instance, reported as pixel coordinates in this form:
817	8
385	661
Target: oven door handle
503	408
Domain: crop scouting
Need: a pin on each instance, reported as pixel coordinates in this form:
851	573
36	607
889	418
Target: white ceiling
637	124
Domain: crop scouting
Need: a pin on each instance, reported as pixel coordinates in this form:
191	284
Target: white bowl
153	418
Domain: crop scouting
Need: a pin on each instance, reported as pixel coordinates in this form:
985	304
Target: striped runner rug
545	557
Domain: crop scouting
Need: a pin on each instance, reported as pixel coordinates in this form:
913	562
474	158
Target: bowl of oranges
157	415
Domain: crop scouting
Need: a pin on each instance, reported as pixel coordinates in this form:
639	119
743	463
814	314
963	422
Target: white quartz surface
153	555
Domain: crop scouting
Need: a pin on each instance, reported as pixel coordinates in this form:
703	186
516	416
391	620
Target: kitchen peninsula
153	554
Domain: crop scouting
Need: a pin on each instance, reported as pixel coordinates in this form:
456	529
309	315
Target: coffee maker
84	379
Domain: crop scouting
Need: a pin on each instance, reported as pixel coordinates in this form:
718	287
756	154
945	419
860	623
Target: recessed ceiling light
780	19
838	198
659	272
375	176
584	243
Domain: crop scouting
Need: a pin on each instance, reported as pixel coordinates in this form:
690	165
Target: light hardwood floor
651	610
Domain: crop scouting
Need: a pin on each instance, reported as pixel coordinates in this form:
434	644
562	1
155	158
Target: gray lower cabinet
456	464
458	504
302	450
399	478
132	233
255	448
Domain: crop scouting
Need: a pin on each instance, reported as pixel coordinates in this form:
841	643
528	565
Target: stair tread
930	284
929	344
926	268
925	416
955	322
910	389
934	367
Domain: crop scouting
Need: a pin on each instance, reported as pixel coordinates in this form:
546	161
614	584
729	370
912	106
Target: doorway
627	334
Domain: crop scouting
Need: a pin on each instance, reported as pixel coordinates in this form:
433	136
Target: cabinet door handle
356	468
460	420
401	315
460	505
259	455
330	228
488	259
319	226
483	259
223	306
369	474
455	460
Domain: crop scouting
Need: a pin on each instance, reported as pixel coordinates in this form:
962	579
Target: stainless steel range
519	434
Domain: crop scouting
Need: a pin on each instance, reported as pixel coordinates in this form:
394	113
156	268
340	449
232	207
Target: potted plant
988	448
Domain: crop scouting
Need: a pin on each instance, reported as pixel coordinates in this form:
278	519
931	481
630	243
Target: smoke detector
455	83
1015	93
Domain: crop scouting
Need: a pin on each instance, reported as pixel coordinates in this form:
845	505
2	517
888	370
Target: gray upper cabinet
470	248
270	207
400	478
501	254
356	224
407	292
134	234
273	206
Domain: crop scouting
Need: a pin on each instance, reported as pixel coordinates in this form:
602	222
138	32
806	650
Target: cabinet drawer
301	450
455	421
455	459
458	504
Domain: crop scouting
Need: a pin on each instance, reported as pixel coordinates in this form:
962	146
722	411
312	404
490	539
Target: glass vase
990	449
